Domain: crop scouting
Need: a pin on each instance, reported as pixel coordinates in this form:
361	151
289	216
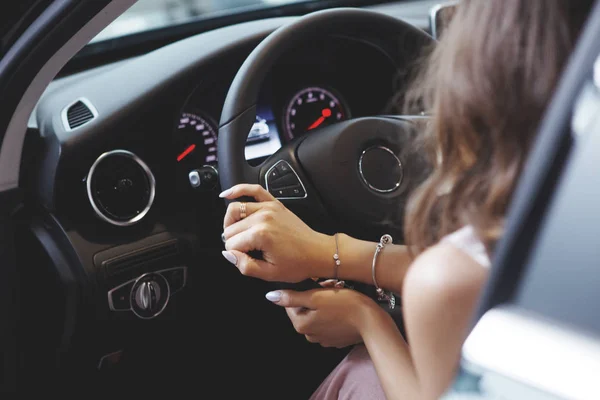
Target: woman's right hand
291	250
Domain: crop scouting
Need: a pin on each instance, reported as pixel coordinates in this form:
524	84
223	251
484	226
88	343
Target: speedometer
195	141
312	108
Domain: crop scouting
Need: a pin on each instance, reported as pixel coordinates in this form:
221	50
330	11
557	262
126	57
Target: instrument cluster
311	87
310	108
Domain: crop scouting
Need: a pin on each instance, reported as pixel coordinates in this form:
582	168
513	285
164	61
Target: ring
243	211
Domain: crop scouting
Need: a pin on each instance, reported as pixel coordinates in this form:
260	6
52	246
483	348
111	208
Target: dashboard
118	154
157	117
110	159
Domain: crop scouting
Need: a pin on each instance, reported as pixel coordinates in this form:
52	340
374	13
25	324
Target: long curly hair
486	84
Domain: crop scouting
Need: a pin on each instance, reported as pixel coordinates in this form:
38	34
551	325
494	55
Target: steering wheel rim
239	109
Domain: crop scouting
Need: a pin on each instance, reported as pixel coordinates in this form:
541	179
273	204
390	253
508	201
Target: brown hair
486	85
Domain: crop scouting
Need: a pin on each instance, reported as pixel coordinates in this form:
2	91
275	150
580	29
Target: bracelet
337	263
381	294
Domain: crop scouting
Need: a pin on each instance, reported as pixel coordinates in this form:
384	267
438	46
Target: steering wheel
353	176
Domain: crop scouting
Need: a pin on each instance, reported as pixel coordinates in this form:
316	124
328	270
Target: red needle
326	113
186	152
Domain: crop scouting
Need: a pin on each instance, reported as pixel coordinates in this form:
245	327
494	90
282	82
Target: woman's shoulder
445	271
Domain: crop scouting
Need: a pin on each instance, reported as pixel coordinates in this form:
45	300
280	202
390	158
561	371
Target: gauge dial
195	141
313	108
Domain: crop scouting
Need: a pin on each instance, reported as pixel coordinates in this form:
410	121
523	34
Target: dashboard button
194	178
118	298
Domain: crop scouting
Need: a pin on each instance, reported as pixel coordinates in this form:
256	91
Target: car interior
122	285
122	164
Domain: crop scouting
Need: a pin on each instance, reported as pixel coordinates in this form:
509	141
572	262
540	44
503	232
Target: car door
37	38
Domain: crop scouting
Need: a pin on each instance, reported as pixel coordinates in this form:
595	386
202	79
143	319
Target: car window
153	14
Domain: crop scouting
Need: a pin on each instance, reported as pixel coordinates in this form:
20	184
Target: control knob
149	296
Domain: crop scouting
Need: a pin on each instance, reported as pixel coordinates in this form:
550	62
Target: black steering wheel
353	176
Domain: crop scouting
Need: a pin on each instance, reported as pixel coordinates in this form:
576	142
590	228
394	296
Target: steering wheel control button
274	174
380	169
120	188
149	295
295	192
284	183
176	277
118	298
283	168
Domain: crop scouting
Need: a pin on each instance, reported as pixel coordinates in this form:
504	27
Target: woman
486	86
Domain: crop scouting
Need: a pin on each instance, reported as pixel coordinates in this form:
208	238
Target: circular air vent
120	188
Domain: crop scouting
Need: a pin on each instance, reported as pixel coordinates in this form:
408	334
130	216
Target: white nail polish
274	296
230	257
225	193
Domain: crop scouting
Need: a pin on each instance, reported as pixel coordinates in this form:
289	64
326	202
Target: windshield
153	14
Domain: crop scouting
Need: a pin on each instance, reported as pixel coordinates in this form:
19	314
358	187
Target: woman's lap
354	378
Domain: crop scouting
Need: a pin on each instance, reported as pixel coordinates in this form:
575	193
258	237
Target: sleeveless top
466	239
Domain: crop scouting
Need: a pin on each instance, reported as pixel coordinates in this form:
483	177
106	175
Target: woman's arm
292	251
357	258
439	297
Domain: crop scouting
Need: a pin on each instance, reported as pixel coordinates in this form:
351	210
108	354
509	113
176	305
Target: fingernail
274	296
229	256
225	193
223	237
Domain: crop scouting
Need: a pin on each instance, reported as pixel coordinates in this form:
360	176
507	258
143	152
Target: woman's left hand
330	317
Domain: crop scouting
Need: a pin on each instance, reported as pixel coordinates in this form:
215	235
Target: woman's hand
330	317
291	251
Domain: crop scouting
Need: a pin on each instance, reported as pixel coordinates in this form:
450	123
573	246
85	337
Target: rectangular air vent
78	113
138	258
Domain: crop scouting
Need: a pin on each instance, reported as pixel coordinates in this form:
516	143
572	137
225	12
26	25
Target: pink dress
355	377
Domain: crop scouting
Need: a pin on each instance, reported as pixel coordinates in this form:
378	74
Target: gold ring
243	211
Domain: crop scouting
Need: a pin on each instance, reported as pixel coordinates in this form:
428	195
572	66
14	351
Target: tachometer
312	108
195	141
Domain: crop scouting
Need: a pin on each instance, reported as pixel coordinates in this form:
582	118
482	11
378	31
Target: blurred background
152	14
